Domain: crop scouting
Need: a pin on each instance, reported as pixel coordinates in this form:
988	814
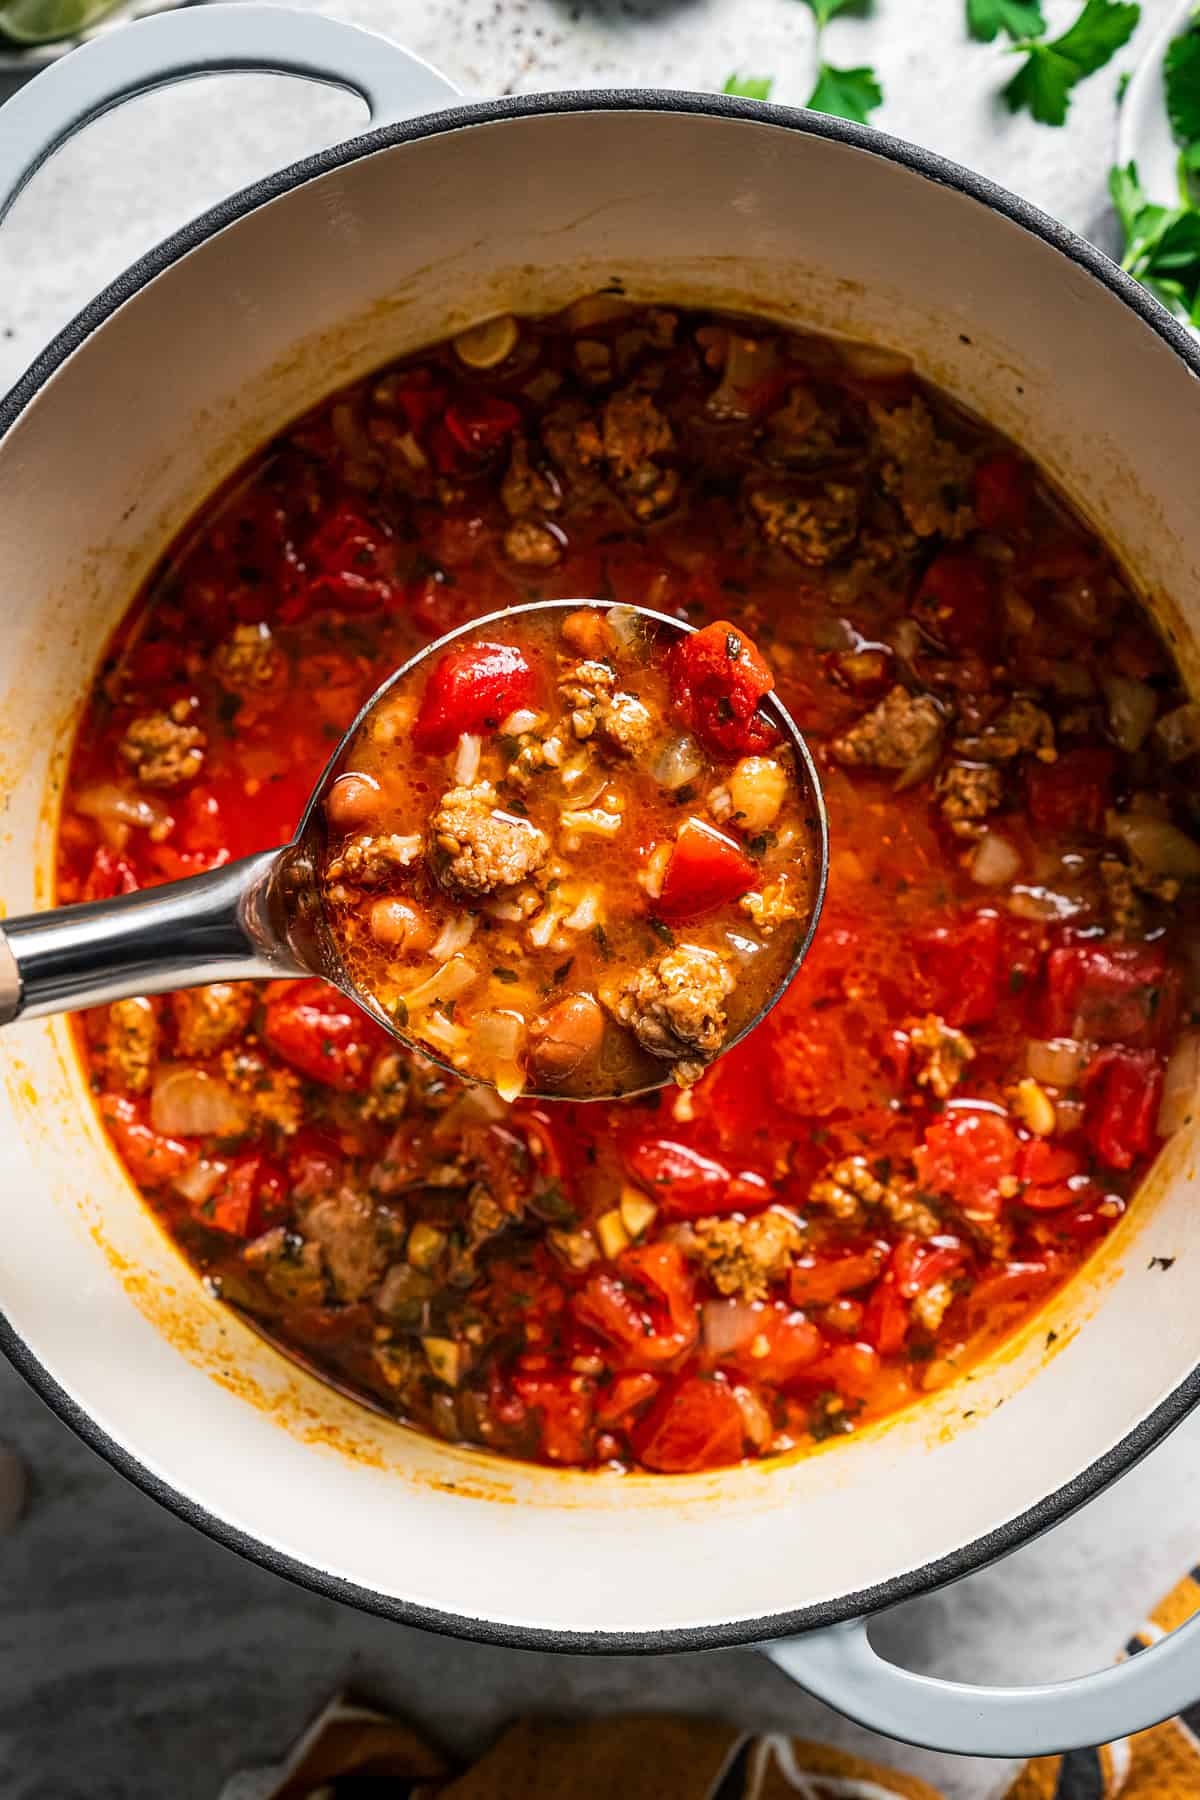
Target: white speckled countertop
137	1659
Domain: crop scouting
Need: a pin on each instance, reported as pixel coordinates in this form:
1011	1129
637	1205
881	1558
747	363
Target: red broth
573	854
956	1098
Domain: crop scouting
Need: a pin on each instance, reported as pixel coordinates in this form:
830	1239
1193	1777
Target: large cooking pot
154	393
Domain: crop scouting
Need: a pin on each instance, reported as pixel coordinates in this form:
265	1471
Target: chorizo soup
955	1099
555	867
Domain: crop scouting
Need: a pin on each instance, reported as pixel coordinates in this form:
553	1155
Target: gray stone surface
139	1660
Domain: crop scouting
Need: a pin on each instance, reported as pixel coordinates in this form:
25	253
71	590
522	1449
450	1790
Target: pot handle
841	1667
206	40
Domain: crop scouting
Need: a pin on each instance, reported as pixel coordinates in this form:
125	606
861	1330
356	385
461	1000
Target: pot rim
1054	1507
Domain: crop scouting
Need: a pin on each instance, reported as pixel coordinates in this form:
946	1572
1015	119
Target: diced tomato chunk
564	1405
1003	490
918	1264
814	1281
323	1035
470	689
1071	793
957	605
351	566
649	1313
686	1184
624	1397
849	1369
696	1425
718	678
479	423
968	1156
706	870
783	1343
1109	993
886	1320
1044	1163
152	1157
251	1196
1124	1088
109	875
962	962
1016	1284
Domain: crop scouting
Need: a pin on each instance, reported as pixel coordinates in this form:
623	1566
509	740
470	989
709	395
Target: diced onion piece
592	821
628	629
425	1245
610	1229
1156	844
411	451
678	762
1178	732
497	1041
1132	705
591	310
725	1325
1027	902
484	346
651	877
444	1358
995	861
454	936
116	809
637	1213
187	1102
1055	1062
475	1105
873	362
524	719
444	1035
1181	1085
467	758
748	363
201	1179
447	983
587	912
756	1419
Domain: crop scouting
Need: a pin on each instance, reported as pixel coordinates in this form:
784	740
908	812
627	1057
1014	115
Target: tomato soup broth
953	1102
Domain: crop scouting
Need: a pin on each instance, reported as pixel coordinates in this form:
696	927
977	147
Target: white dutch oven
125	424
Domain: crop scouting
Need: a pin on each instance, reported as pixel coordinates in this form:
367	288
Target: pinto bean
564	1036
352	801
401	926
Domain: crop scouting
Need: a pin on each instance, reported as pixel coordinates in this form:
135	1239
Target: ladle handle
212	927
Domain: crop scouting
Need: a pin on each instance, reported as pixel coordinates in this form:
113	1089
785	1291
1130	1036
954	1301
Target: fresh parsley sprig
845	93
750	87
1162	243
1052	68
1021	19
1044	82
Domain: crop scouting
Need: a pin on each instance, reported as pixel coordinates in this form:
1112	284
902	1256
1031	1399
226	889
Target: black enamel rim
1055	1507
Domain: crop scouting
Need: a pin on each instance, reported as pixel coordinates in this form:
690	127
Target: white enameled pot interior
133	431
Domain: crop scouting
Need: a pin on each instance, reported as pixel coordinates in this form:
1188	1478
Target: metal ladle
261	918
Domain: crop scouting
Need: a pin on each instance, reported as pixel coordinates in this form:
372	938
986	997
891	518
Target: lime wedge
47	21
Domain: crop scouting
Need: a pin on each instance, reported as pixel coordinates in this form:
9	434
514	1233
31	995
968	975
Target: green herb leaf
1162	244
1043	83
1019	18
1181	74
846	93
824	10
503	974
750	87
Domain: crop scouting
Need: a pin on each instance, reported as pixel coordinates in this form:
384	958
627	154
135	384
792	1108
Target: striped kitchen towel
352	1750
